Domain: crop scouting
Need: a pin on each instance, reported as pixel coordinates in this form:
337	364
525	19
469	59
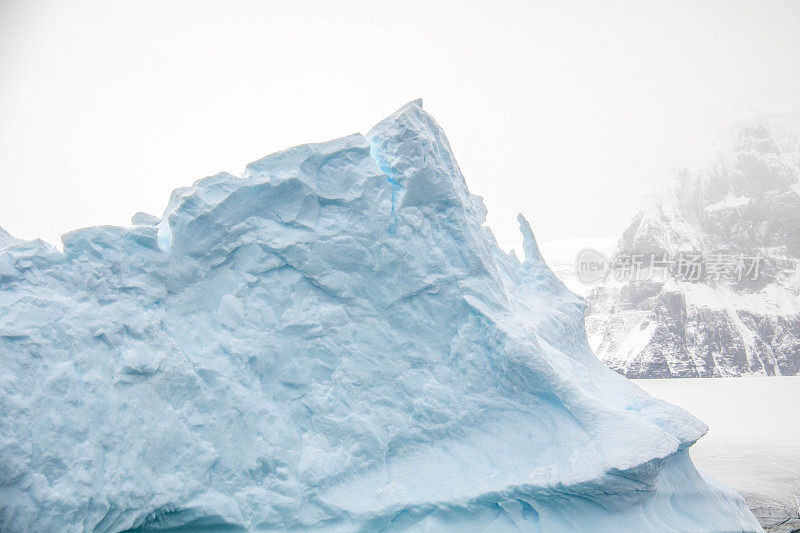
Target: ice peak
144	219
529	245
411	148
6	237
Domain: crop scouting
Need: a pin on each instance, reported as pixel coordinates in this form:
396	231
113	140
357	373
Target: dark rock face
738	197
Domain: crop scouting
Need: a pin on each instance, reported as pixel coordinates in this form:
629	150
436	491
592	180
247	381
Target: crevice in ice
397	186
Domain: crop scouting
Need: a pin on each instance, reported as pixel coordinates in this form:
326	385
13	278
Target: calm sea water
753	442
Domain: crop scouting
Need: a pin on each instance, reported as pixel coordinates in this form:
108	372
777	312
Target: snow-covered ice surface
753	443
332	341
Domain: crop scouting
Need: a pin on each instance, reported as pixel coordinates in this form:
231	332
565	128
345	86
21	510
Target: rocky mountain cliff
704	281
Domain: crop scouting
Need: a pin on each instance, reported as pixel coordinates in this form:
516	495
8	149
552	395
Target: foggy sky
565	112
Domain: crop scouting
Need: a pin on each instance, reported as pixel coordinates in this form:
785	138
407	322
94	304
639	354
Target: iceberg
333	341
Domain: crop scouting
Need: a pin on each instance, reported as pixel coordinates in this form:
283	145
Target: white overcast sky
564	111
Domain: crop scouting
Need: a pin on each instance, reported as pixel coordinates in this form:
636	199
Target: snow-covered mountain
735	201
333	341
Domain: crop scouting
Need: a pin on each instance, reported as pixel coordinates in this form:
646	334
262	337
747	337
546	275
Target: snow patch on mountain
729	202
